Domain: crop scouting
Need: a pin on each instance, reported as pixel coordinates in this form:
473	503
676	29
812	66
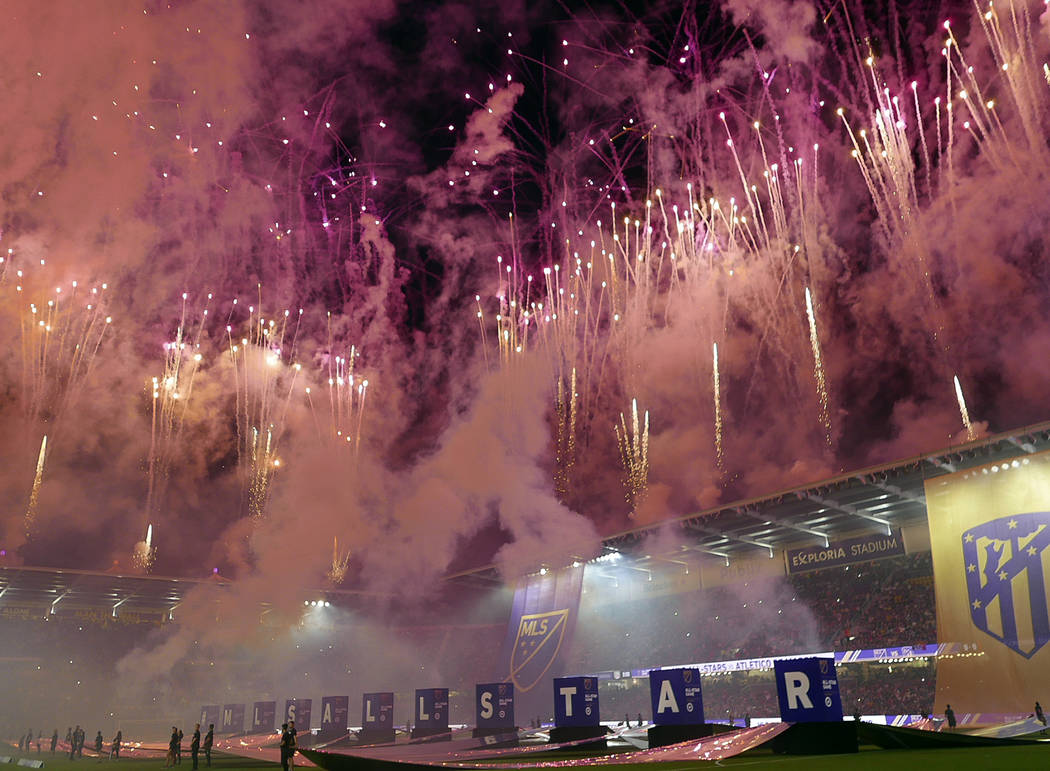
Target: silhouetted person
28	742
284	746
856	714
292	744
39	736
117	741
1039	713
73	743
639	719
209	739
173	742
54	741
195	745
949	715
69	735
98	746
81	735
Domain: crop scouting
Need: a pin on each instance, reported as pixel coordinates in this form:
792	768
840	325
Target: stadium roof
882	497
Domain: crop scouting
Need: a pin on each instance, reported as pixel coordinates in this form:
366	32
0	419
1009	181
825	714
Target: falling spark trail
818	369
971	433
634	451
35	493
340	563
143	554
718	407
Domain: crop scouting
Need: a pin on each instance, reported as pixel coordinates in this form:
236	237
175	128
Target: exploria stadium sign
844	552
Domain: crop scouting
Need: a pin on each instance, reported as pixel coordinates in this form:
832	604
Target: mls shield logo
1007	566
536	646
687	676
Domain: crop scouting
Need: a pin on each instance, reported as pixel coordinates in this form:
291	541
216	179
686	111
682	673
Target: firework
144	552
818	368
34	494
719	457
634	453
340	563
971	432
264	375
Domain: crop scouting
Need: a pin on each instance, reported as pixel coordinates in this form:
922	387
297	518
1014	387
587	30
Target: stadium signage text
495	705
675	696
576	701
432	709
845	552
808	690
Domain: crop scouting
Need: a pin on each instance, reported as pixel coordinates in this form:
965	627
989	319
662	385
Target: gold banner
990	537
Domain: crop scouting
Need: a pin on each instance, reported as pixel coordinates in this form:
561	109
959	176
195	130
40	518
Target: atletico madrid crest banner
990	535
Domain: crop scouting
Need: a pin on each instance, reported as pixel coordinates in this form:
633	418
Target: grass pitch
1020	758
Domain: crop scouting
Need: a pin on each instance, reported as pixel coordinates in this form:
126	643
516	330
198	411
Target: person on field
118	740
54	741
1039	713
209	739
195	745
284	746
98	747
293	744
949	715
173	741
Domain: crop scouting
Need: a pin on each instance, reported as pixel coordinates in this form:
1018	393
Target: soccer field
1023	757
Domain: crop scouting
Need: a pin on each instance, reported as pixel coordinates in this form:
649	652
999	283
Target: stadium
626	381
727	591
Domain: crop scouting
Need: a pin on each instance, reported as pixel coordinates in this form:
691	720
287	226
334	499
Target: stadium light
53	604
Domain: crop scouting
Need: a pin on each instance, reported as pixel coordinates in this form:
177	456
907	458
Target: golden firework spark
340	563
34	494
634	453
818	369
971	432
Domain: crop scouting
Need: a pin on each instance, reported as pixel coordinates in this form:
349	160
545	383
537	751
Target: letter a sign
675	695
808	690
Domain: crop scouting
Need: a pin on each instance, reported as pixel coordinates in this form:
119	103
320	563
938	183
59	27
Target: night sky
354	252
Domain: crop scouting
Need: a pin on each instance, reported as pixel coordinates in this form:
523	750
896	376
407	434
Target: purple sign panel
808	690
299	711
675	695
232	719
377	711
576	701
431	709
495	705
334	713
863	548
209	715
263	714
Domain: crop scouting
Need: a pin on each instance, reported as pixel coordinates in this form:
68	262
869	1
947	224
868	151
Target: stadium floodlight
55	602
119	603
